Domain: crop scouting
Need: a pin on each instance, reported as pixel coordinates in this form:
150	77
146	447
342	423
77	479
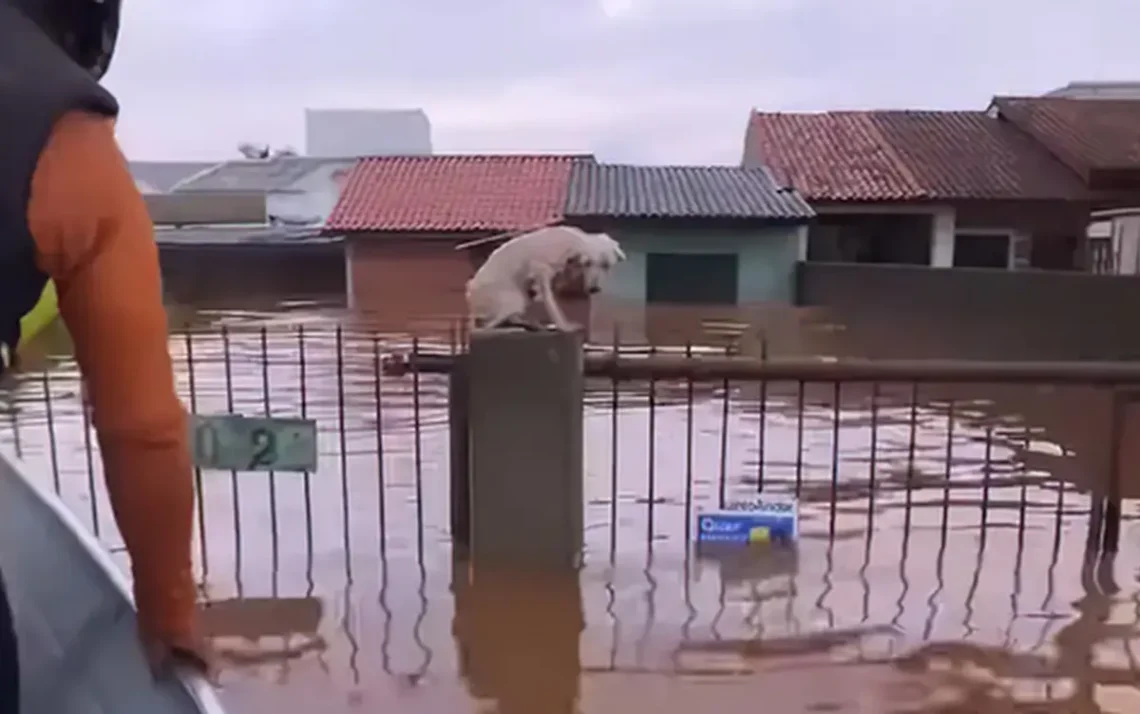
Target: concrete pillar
459	426
1020	250
802	243
942	239
349	288
525	447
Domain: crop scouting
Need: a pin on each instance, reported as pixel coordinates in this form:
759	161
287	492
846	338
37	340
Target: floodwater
941	566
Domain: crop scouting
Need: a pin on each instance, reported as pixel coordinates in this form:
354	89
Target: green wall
767	258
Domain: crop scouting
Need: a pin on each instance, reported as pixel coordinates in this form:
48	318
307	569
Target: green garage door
691	278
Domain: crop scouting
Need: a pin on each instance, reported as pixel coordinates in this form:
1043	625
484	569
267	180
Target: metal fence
938	503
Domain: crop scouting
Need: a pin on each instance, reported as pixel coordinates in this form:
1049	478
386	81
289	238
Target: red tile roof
835	156
969	155
906	156
452	194
1087	134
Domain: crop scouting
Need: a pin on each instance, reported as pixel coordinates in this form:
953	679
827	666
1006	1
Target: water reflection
941	565
517	635
268	629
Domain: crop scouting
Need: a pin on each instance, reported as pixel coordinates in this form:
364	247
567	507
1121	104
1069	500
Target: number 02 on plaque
232	442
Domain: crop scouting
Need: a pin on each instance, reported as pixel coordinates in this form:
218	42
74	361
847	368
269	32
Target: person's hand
193	652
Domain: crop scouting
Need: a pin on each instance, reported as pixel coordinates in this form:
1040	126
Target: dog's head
599	255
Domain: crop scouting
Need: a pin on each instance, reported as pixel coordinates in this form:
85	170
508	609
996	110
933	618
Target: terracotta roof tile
1087	134
831	156
906	156
460	193
969	155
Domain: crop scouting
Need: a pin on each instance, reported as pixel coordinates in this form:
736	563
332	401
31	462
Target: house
930	221
1009	187
1114	236
937	188
219	248
1097	136
402	218
248	231
299	190
701	242
708	238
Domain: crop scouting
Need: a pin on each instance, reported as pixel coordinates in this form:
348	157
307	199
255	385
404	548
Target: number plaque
232	442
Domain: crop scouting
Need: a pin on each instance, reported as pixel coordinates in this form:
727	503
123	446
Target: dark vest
38	84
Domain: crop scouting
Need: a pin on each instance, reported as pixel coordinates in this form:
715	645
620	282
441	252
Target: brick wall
408	283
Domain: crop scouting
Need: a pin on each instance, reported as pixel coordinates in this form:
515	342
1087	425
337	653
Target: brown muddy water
941	566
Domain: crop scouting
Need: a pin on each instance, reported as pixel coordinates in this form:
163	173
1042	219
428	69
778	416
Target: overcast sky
652	81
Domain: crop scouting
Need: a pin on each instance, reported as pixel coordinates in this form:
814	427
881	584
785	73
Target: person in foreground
70	211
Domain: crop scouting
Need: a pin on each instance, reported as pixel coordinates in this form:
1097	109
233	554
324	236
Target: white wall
367	132
1122	227
1126	244
942	239
314	195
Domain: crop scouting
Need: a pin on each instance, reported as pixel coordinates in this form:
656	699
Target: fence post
459	426
1111	509
525	426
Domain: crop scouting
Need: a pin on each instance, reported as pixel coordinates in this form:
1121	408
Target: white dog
526	269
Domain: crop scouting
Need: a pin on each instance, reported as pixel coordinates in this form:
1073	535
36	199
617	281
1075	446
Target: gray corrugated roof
623	191
1097	90
275	174
162	175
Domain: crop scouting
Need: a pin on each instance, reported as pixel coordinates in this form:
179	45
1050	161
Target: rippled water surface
941	566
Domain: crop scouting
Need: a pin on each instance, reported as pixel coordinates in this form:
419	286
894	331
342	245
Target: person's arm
96	241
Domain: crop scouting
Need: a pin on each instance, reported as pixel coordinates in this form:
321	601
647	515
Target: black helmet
85	29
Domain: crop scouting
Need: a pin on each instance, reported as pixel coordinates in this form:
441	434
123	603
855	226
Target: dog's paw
521	324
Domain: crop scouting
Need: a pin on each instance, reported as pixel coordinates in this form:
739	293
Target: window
896	238
691	278
981	250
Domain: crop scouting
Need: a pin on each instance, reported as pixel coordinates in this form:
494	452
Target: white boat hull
74	616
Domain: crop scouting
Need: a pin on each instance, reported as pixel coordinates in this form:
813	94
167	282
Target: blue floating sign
760	520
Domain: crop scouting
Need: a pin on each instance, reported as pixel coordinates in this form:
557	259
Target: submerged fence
923	491
855	441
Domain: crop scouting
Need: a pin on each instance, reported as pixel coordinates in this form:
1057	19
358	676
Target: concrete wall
912	311
767	258
205	208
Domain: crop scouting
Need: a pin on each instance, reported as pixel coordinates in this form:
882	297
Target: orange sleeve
96	241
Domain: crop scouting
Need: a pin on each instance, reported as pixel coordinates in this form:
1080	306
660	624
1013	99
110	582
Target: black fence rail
938	501
666	433
850	405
